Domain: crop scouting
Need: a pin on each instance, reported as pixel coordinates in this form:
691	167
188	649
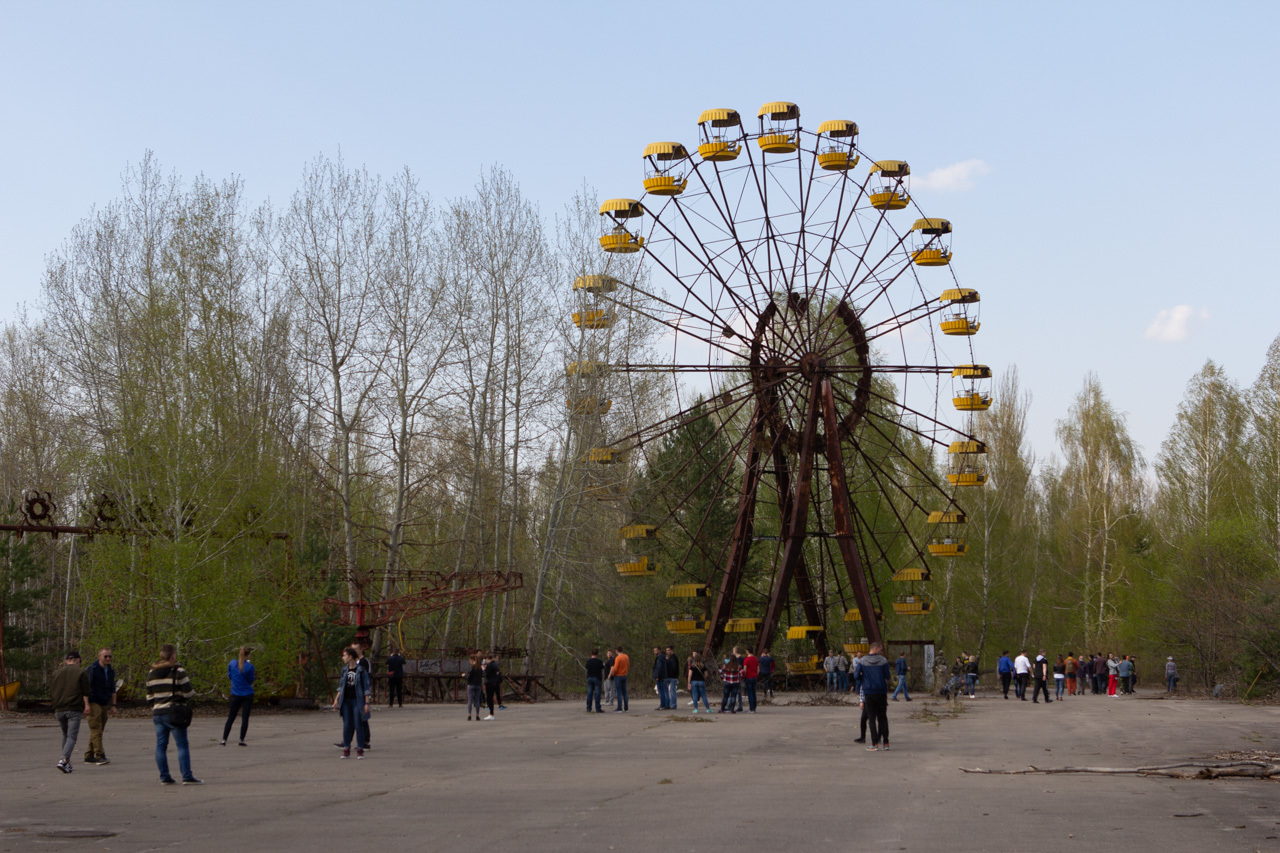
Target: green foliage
20	593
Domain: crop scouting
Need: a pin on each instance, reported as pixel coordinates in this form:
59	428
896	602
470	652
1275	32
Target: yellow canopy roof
891	168
967	447
953	516
971	371
780	110
839	127
959	294
720	117
622	208
932	226
666	150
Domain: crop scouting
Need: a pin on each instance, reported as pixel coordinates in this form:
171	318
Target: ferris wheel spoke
704	262
903	527
671	423
915	413
730	223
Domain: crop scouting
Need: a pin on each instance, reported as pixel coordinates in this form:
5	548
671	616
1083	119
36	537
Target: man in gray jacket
69	695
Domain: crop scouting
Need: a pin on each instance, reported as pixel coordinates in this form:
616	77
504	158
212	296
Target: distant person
1040	673
169	685
367	665
1004	667
901	670
610	695
657	674
1124	672
1084	672
1059	678
240	672
750	676
829	667
475	687
766	673
670	677
1072	668
1170	675
730	677
842	672
698	682
352	700
1113	674
621	666
69	696
102	704
971	673
1021	674
875	689
595	680
492	683
395	678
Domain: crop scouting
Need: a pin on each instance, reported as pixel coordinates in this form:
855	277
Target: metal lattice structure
825	345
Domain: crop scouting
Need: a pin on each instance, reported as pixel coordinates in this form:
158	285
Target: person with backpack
168	692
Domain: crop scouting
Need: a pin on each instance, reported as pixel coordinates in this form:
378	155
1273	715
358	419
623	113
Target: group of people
743	675
76	693
844	673
1100	674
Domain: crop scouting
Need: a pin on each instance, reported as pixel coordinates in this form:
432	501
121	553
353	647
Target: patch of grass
673	718
665	782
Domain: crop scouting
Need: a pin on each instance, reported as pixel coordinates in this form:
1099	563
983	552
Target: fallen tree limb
1199	770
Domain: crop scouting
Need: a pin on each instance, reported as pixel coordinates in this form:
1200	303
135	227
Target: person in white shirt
1022	674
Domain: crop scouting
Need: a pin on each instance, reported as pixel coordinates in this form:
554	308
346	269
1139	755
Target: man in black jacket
670	678
873	669
1040	672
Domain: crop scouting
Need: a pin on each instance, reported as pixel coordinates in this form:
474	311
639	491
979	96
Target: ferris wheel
829	384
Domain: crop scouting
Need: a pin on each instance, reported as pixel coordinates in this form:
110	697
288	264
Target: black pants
1005	678
238	703
395	688
878	706
1020	685
862	724
490	692
1041	684
766	684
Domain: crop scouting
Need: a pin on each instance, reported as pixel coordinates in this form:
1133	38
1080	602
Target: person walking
168	685
1170	675
698	682
395	678
1040	672
475	687
901	669
875	688
971	676
352	700
621	666
1021	674
367	665
1005	669
750	675
595	680
730	677
102	704
240	671
492	682
766	673
1059	678
69	696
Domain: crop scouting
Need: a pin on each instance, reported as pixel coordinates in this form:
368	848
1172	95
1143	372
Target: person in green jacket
69	695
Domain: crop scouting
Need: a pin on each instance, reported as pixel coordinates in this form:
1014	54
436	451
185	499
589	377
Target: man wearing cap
1170	676
69	695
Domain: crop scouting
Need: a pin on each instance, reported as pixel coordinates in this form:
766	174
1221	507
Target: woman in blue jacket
352	701
241	673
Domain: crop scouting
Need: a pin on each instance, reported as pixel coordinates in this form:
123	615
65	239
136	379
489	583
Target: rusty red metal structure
436	591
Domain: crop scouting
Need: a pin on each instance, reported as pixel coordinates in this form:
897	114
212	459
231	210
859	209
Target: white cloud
1172	325
953	178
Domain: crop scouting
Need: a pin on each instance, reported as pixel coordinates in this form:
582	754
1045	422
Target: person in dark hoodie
874	671
1040	672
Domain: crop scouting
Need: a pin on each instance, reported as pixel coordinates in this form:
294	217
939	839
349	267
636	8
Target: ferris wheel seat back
639	531
742	625
596	283
665	185
949	516
911	574
719	151
805	632
778	143
976	477
853	614
973	402
640	567
889	200
948	548
931	257
599	318
837	161
688	626
959	325
621	243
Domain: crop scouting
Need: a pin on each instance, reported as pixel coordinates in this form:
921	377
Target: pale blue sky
1128	148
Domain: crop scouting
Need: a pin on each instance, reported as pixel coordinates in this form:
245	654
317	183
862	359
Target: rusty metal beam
842	510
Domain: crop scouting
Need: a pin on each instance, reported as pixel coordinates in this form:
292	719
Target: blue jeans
669	686
699	691
749	687
842	679
1171	683
729	701
70	723
902	688
620	687
163	730
593	693
970	683
831	681
351	727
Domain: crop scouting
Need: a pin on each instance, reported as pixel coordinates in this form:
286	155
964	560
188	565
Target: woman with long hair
240	671
475	687
167	685
352	701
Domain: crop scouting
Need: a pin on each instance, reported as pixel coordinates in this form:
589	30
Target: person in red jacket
750	672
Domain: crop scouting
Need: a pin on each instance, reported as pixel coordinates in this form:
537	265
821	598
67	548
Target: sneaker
502	707
359	754
222	743
193	781
468	718
886	747
859	740
339	746
64	765
168	781
242	743
695	710
346	753
102	759
908	698
490	717
873	748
